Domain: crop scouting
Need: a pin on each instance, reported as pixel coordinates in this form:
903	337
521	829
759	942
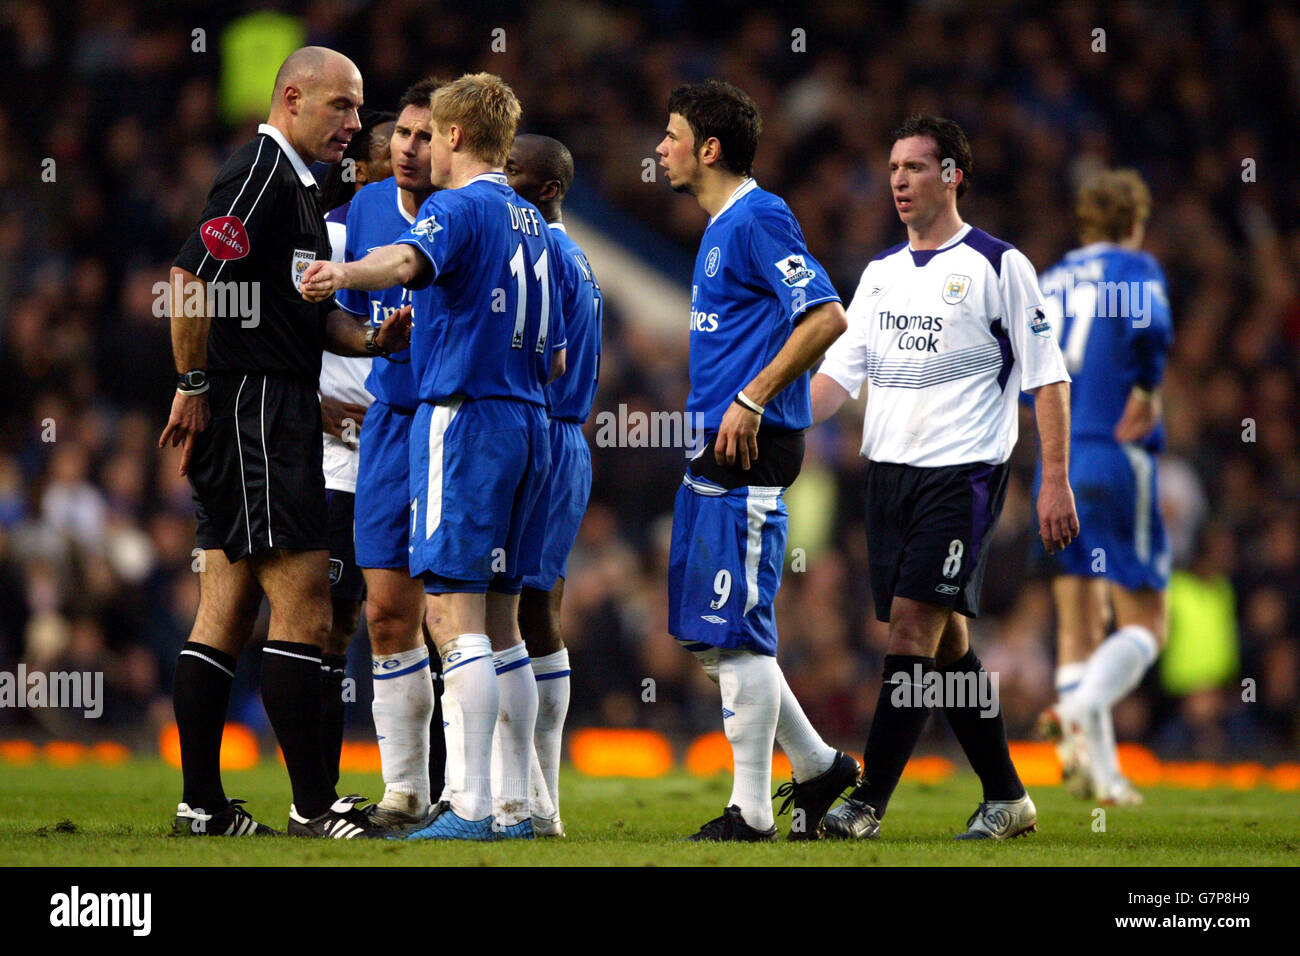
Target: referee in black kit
247	413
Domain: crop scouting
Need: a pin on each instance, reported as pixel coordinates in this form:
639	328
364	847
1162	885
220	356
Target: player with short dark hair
1113	312
947	327
487	337
343	404
762	313
408	724
247	414
540	169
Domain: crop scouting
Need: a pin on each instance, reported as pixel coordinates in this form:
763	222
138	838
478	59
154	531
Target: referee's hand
190	415
1058	522
737	437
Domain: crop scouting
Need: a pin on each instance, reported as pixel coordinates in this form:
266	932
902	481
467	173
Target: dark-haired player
1109	297
401	669
762	312
540	169
947	327
343	404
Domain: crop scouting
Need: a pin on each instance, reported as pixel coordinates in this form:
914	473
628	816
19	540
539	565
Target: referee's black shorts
928	531
256	469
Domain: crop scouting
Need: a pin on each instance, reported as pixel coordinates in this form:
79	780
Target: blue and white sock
810	756
552	676
402	708
751	704
516	720
472	696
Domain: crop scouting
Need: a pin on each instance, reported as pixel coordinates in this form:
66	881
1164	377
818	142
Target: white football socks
470	702
552	677
402	708
1114	669
751	703
1068	677
810	756
517	717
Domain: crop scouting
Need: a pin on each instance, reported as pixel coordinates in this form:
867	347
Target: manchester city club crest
955	288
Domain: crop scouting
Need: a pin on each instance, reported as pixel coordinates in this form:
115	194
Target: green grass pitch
108	816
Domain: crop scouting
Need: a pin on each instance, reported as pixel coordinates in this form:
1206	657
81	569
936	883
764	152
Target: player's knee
347	614
539	623
391	632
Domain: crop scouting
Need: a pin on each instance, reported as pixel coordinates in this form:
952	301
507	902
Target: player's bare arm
346	334
386	266
557	365
190	413
1141	415
827	397
738	432
1058	522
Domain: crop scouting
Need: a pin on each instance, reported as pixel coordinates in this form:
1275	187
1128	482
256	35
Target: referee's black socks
291	692
900	718
979	727
200	696
333	671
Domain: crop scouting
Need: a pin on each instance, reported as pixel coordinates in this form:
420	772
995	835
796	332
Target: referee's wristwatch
372	342
194	382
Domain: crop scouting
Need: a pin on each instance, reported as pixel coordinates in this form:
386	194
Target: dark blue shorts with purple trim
928	531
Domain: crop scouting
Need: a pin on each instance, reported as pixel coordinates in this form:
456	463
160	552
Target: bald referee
247	416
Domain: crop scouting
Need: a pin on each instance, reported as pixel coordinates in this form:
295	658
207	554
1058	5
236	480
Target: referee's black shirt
262	225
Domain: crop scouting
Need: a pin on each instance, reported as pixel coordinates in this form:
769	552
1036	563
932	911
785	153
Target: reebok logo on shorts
947	589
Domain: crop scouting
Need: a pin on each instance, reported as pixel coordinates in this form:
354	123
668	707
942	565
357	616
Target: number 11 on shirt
540	269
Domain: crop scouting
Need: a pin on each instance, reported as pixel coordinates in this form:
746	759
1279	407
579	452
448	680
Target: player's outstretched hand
321	280
395	334
737	437
1058	522
1141	413
342	420
190	415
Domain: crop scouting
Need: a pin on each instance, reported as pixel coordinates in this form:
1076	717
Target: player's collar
957	237
397	195
559	226
748	185
489	178
299	167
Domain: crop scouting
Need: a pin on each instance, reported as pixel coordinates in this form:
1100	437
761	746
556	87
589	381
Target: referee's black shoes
233	821
344	820
812	798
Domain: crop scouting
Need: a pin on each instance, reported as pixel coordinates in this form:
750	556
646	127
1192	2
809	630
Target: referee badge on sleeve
302	260
955	288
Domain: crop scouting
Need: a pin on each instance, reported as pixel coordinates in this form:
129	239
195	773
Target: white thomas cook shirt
947	337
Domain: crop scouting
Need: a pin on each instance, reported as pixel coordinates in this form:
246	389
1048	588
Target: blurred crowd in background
115	116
